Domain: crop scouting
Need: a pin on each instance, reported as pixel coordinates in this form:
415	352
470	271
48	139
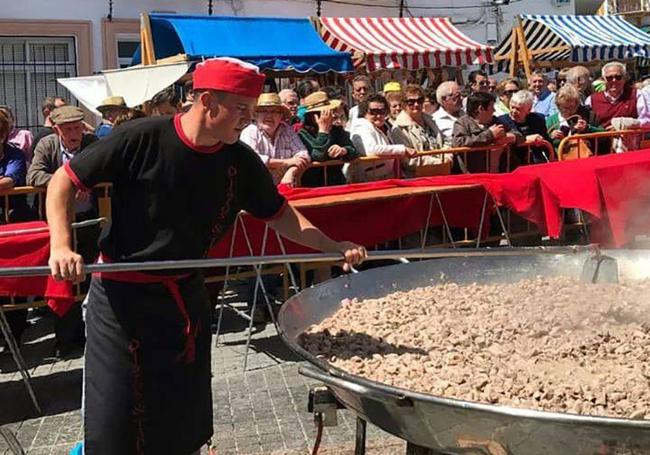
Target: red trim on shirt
185	140
77	182
277	214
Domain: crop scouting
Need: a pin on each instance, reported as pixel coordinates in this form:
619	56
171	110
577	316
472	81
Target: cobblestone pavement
260	411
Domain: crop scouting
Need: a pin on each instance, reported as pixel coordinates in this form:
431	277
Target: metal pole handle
396	255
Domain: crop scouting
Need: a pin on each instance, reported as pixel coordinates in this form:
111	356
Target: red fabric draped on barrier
28	245
365	222
369	223
612	188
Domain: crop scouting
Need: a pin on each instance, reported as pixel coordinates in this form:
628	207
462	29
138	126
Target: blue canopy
280	44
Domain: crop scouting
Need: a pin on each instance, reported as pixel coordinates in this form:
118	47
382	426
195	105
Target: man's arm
6	183
463	137
64	263
295	227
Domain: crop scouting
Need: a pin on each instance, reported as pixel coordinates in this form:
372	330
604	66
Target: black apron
147	381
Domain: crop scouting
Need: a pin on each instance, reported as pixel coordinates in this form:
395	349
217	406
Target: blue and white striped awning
579	38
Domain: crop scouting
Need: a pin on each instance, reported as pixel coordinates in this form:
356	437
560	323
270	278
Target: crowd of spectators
402	120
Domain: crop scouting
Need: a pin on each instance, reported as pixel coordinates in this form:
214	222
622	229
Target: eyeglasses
614	77
413	101
377	111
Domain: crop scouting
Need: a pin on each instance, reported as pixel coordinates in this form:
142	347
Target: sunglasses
615	77
377	111
483	83
413	101
510	92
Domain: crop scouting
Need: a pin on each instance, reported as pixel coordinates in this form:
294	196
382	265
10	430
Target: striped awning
579	38
408	43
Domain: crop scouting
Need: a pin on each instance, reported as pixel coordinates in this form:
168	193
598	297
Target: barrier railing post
576	140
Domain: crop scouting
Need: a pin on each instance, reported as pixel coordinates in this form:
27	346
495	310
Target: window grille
29	68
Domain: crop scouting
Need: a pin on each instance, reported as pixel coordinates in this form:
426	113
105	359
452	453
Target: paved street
261	411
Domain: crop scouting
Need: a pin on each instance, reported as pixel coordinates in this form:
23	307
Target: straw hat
319	101
112	102
271	101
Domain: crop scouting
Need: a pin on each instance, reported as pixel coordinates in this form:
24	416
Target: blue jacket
13	164
104	129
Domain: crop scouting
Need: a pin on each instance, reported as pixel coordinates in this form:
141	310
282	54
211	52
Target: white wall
479	23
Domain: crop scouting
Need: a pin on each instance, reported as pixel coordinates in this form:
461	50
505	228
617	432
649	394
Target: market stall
545	40
402	43
272	43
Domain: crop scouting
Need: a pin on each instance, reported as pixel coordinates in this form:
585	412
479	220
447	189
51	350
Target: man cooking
178	184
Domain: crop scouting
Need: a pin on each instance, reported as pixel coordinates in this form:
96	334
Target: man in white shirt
450	100
361	90
290	99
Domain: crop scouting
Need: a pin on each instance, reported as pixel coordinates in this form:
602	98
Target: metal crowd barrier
101	191
593	141
462	151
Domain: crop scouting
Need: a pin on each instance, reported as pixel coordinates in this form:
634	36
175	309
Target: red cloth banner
28	245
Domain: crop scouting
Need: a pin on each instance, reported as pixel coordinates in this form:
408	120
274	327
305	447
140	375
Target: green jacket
318	145
553	123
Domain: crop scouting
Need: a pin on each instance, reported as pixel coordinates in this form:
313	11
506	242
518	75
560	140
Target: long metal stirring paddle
396	255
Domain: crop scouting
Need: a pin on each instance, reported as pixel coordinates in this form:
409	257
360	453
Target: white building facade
42	40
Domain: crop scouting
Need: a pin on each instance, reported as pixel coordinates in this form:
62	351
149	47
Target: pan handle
380	393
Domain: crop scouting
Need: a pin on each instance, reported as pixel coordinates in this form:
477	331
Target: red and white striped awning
409	43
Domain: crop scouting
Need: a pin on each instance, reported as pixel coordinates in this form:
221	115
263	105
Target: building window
29	69
126	47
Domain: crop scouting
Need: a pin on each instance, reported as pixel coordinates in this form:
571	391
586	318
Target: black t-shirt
171	199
